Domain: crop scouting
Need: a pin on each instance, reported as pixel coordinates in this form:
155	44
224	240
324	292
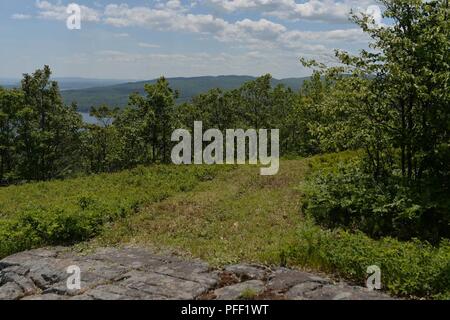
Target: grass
239	216
221	214
248	294
64	212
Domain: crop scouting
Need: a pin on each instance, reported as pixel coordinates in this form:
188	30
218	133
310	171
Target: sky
144	39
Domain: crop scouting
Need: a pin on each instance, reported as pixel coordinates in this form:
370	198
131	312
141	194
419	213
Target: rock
133	273
130	273
344	292
114	292
234	292
283	279
164	285
247	272
26	285
10	291
46	297
298	291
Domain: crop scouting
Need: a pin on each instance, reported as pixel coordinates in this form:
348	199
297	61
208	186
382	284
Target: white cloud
52	11
167	19
164	18
319	10
148	45
256	40
20	16
255	34
260	33
345	35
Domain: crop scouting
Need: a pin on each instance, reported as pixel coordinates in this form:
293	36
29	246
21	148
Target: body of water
88	119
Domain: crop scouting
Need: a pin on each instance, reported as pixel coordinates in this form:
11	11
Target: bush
413	268
366	221
341	194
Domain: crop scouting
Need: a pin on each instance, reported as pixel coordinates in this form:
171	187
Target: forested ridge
117	95
389	108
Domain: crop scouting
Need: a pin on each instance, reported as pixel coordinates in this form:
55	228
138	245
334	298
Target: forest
376	124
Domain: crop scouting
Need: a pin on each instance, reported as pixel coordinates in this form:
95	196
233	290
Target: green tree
10	103
392	101
156	110
48	131
256	102
409	97
100	141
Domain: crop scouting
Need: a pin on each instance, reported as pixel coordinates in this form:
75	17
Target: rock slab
134	273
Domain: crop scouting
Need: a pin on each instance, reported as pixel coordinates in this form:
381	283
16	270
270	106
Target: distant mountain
8	82
66	83
117	95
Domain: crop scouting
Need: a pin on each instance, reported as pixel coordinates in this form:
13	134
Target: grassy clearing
239	216
243	217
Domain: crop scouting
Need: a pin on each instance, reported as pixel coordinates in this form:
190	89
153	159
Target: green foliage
395	107
407	105
100	143
248	294
411	268
256	104
65	212
38	135
358	213
340	194
42	139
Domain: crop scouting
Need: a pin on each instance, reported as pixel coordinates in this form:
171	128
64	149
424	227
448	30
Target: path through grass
239	216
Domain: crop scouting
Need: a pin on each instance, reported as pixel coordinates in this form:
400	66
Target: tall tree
157	112
47	129
10	103
408	101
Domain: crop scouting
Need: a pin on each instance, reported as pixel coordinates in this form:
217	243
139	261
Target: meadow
222	214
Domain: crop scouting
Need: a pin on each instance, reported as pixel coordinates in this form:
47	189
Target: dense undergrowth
408	268
341	194
363	224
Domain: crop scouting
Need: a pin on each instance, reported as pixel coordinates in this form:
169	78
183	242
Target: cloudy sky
143	39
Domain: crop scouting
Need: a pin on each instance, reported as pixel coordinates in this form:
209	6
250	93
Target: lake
88	118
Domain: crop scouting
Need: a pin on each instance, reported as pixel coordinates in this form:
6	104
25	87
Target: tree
48	131
10	103
406	107
100	142
256	102
397	109
157	112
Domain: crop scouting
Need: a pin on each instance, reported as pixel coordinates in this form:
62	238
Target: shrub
412	268
341	194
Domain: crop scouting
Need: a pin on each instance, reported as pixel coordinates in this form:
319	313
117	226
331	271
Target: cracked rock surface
135	273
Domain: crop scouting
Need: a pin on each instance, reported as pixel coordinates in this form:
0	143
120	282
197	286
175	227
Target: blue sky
143	39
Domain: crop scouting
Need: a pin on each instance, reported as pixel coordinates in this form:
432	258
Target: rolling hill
117	95
67	83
